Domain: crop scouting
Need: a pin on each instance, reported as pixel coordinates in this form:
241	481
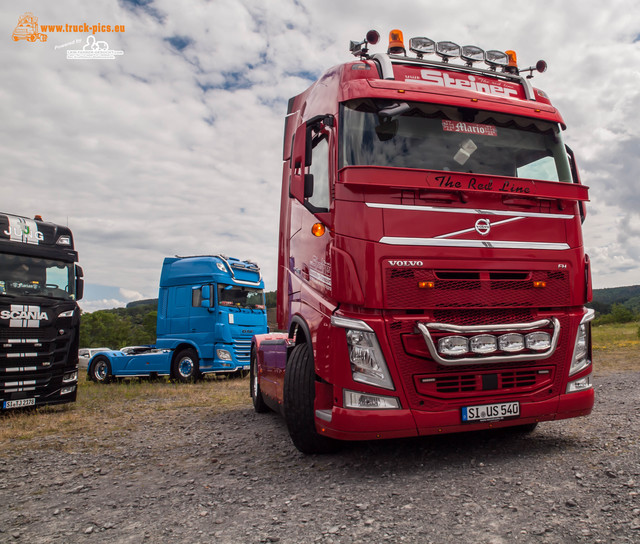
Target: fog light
538	341
223	355
581	384
453	345
511	342
365	401
483	343
68	389
70	377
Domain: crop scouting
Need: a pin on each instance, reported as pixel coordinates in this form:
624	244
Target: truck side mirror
300	159
206	296
79	283
301	186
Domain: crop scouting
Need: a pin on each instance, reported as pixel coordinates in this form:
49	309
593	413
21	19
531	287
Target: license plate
490	412
20	403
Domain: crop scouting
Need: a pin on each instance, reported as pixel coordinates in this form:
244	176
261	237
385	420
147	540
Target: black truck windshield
240	297
434	137
31	276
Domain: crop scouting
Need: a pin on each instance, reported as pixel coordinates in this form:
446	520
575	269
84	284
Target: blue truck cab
209	309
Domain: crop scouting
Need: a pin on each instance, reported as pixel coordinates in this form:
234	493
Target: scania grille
428	288
242	349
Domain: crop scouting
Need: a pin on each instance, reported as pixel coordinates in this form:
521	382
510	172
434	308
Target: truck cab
431	271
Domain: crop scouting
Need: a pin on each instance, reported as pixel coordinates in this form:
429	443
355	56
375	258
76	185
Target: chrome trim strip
497	244
473	229
468	211
424	329
346	323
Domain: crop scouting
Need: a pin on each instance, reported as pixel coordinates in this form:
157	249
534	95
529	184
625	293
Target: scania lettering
209	308
448	213
40	284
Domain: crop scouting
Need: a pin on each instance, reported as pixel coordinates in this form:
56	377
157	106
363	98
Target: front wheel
100	370
299	395
185	366
256	394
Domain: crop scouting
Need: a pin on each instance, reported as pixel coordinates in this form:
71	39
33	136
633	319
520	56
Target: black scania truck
40	284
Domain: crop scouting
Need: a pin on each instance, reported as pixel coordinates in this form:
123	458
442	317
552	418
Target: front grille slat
475	289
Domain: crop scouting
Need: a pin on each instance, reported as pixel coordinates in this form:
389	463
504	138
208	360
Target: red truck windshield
435	137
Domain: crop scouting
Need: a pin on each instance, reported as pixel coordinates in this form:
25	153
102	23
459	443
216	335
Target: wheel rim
185	367
100	371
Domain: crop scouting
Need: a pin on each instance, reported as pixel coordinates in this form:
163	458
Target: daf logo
483	226
406	263
247	331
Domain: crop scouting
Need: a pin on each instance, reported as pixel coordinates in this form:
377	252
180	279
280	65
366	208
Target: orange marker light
539	284
513	59
426	284
317	229
396	43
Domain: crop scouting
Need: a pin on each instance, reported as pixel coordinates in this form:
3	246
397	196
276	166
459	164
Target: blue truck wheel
185	366
100	370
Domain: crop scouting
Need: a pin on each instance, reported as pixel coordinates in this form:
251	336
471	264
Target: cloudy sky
174	146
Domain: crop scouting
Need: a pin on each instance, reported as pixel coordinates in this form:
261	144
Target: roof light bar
472	54
422	46
447	50
496	58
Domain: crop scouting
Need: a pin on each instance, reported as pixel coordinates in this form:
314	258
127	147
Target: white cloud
177	150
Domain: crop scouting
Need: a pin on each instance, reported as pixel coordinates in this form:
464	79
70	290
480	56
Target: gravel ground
197	477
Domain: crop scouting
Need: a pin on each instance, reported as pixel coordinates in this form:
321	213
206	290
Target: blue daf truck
209	308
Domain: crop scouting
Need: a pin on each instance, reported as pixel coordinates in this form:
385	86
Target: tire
254	387
185	367
100	370
299	395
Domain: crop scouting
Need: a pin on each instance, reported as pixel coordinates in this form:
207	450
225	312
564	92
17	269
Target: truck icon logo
27	29
483	226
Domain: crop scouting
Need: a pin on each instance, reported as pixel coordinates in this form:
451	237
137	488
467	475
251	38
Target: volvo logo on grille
406	263
483	226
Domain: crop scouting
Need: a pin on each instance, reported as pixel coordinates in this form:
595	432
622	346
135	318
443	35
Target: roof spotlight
447	50
422	46
496	58
472	54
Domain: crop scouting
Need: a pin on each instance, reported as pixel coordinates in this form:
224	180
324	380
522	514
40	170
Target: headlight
223	355
68	313
511	342
538	341
581	359
367	361
453	345
70	376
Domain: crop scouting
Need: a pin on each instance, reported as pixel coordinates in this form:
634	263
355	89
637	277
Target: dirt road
192	476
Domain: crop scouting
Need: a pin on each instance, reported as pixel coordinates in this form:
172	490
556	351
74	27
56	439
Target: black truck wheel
256	395
185	366
298	395
100	370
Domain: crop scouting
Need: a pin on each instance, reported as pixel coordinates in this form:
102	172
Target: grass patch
616	346
105	410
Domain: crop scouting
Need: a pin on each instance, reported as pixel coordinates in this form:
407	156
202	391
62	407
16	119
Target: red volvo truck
431	269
